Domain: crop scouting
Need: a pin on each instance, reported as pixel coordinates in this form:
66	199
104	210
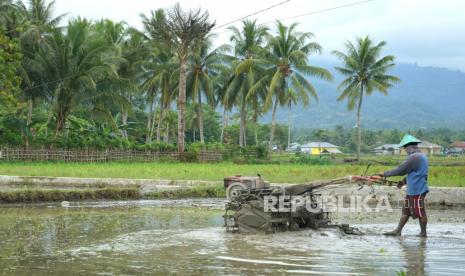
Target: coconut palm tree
192	119
159	84
365	71
39	21
124	57
180	31
256	104
5	8
132	53
248	45
222	82
8	13
158	71
291	99
204	66
169	120
75	61
289	51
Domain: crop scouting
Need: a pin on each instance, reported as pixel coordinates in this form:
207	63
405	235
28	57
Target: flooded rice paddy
186	237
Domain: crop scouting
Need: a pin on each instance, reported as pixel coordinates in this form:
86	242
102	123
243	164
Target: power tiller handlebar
361	181
371	180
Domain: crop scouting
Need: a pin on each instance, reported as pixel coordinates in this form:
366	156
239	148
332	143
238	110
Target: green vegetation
195	191
280	173
36	195
28	194
119	89
365	72
9	82
181	32
346	139
289	53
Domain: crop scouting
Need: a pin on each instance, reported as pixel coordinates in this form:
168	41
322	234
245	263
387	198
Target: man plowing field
255	206
416	169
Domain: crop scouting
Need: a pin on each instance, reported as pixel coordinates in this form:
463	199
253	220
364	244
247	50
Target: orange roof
458	144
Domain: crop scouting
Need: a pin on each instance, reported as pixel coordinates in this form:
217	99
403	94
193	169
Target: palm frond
302	92
315	71
307	85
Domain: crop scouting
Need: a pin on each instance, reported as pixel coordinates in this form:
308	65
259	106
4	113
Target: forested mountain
427	97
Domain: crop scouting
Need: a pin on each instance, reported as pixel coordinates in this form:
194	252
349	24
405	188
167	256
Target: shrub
189	156
215	146
311	160
162	147
262	152
196	147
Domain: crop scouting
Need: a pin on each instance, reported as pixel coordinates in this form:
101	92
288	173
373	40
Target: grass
196	191
433	160
36	195
40	195
287	173
380	159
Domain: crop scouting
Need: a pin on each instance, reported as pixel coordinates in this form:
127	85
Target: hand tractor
253	205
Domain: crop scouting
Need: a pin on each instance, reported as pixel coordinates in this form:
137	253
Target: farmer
416	169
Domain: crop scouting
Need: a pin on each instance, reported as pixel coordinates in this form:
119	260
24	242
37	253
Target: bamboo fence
110	155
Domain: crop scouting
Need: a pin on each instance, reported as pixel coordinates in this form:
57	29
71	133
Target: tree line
109	83
346	138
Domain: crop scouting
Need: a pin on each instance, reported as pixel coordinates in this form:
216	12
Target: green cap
408	139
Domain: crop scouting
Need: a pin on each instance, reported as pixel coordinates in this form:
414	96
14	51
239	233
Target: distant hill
427	97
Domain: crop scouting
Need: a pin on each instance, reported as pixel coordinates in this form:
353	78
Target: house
430	148
458	144
456	148
294	147
427	148
316	148
387	149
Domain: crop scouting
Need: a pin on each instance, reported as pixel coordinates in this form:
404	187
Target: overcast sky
426	32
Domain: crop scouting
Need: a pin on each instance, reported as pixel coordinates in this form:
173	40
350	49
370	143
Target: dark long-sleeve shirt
407	166
416	169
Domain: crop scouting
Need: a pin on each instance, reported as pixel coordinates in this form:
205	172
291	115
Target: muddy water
186	237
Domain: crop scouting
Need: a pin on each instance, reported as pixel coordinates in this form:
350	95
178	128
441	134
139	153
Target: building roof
459	144
423	144
293	146
333	150
388	146
319	145
426	144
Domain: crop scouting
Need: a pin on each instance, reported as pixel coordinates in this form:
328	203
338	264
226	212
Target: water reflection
414	252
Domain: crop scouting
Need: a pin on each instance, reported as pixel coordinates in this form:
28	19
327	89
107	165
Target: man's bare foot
392	233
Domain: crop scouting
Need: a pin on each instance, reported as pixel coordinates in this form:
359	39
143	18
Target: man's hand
401	183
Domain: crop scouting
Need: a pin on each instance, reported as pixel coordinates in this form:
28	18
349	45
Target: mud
186	236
